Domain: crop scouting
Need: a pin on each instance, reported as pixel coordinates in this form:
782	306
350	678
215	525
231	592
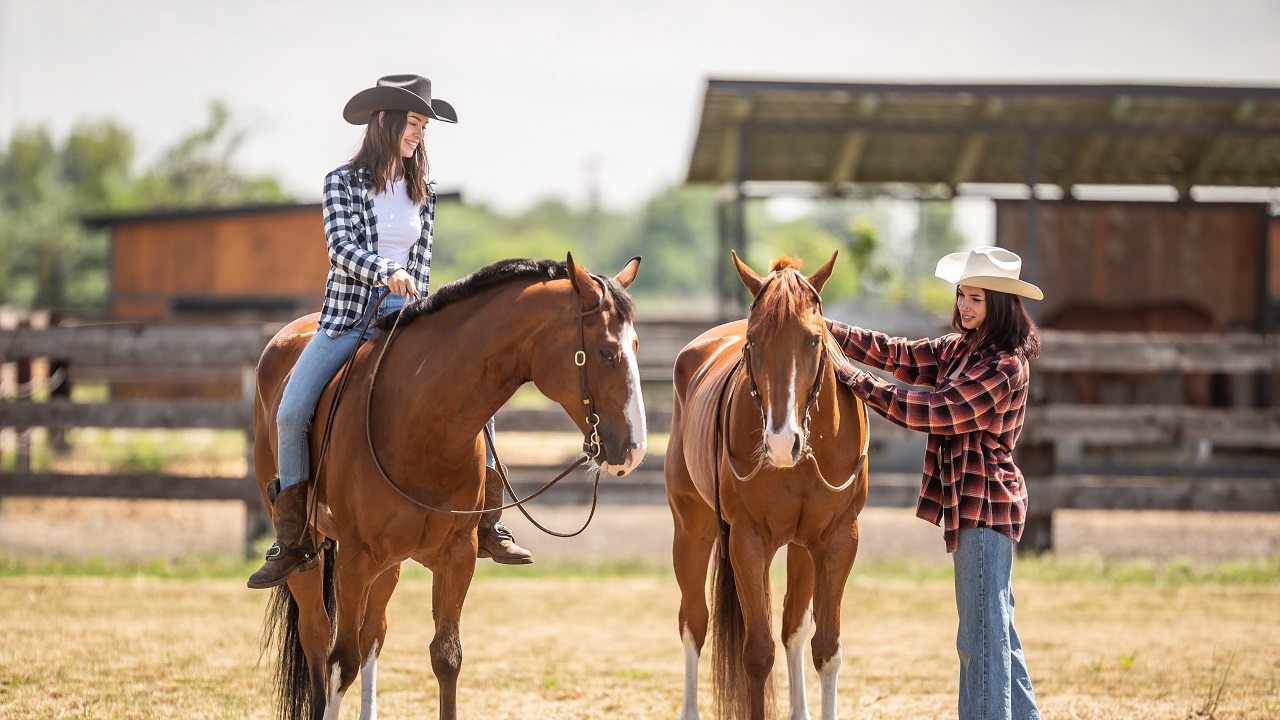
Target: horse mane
788	299
785	263
500	273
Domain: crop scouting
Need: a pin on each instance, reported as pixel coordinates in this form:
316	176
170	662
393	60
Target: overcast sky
546	89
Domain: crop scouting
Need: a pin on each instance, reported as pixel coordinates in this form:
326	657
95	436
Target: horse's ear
820	278
749	276
581	281
628	273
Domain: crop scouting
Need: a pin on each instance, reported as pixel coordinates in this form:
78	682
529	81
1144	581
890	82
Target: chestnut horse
410	446
760	424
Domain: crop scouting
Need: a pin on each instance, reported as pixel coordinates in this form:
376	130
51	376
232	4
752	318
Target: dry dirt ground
607	647
143	529
572	647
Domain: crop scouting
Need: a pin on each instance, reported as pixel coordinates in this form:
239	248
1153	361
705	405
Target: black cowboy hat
398	92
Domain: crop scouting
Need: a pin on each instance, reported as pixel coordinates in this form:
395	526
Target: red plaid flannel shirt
973	423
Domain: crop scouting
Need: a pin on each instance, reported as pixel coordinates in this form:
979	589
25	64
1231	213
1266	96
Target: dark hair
1008	326
380	153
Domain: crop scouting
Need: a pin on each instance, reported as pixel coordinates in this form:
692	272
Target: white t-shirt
399	222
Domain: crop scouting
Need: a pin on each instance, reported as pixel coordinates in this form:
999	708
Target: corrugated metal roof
942	134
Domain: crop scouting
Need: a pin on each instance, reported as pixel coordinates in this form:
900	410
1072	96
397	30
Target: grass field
1103	640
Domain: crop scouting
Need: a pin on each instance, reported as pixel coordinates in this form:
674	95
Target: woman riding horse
379	214
973	414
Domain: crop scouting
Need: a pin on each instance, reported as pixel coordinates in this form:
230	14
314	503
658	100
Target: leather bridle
811	402
591	444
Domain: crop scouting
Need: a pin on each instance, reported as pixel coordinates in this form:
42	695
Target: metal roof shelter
827	139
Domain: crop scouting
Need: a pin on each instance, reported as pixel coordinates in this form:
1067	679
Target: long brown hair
380	153
1008	326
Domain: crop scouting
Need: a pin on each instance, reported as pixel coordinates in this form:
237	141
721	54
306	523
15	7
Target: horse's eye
608	356
816	339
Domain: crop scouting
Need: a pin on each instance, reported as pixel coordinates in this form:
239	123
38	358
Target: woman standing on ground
973	413
379	213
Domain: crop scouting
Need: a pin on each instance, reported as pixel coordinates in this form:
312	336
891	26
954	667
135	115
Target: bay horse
406	444
764	391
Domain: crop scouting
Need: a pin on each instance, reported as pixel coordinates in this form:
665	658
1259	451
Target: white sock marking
690	709
333	708
795	669
369	685
827	676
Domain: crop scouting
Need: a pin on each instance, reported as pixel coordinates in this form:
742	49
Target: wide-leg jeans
994	684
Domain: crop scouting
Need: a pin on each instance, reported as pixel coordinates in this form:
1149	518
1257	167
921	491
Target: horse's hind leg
695	534
373	634
696	526
832	562
796	626
309	590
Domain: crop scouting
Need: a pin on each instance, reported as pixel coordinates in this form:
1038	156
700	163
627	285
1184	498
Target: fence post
256	521
1037	464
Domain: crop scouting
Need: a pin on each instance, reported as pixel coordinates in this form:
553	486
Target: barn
1047	153
1155	308
265	261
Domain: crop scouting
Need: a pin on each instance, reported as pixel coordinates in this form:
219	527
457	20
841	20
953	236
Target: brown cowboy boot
495	539
293	549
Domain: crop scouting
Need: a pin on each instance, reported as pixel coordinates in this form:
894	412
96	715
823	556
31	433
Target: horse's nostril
795	447
619	473
633	445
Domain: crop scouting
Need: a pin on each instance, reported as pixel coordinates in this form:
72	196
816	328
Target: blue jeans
316	366
994	684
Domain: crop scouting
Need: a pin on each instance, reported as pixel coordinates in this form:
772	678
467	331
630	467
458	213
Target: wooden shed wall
274	256
1130	255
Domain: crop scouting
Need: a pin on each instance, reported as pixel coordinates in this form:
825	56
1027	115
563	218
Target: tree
47	257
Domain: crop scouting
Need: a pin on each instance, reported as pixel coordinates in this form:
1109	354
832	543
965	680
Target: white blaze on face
780	435
634	410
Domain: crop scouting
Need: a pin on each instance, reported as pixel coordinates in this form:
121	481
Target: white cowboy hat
992	268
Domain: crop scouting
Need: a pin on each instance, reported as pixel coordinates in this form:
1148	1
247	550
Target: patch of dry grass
607	647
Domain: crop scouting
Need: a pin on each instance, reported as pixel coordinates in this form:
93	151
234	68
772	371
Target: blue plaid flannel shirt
351	234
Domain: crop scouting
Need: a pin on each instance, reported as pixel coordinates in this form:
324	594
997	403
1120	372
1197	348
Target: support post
1031	258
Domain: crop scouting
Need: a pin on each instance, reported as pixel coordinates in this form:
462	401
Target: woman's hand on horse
401	283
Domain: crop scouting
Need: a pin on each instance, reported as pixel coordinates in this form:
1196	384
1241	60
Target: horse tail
280	629
728	637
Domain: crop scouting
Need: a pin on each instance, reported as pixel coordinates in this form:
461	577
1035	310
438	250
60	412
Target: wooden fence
182	353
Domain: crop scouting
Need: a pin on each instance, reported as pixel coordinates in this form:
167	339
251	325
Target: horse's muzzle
620	461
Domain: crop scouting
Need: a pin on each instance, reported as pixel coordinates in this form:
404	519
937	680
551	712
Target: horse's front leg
450	580
751	560
373	634
351	580
796	626
832	562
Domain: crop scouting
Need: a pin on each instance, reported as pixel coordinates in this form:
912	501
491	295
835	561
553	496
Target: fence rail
141	353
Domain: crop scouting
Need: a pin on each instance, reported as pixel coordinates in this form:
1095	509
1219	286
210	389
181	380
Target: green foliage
48	259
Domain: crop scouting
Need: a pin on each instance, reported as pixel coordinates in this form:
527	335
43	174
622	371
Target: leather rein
591	445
